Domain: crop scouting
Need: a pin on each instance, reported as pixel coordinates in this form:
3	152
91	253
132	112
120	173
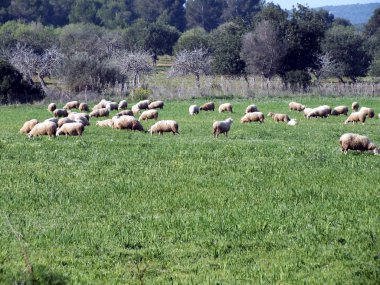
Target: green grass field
270	204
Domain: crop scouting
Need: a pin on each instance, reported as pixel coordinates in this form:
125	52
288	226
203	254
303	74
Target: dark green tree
115	14
196	38
206	14
84	11
241	9
161	39
373	24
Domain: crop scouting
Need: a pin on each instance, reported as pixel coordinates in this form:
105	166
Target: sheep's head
270	114
376	151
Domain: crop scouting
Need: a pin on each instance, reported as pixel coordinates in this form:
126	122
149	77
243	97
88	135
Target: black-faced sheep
45	128
156	105
51	107
339	110
164	126
355	106
111	106
369	112
294	106
356	142
253	117
277	117
123	104
226	107
83	107
209	106
193	110
149	114
71	129
222	127
356	117
28	126
251	108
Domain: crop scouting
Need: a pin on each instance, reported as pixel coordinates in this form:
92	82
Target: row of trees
293	46
180	14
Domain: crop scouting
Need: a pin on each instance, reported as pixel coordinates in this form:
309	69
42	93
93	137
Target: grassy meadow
270	204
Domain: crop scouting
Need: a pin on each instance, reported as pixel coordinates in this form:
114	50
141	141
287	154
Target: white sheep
226	107
251	108
356	142
28	126
51	107
293	122
149	114
193	110
105	123
164	126
45	128
71	129
339	110
253	117
103	112
356	117
307	111
62	121
126	122
135	109
321	111
369	112
156	105
123	104
221	127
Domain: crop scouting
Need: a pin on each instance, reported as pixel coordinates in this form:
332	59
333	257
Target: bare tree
263	50
196	62
326	67
134	64
31	64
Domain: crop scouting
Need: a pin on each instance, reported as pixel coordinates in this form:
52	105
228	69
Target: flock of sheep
67	122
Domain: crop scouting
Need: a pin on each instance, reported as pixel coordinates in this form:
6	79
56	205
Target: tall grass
269	204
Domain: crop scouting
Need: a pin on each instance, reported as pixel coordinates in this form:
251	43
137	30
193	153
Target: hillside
356	13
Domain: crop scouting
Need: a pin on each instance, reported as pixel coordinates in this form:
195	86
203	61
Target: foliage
141	93
14	89
374	68
241	9
206	14
192	39
161	39
297	80
373	24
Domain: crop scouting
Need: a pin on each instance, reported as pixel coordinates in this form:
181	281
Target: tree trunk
43	84
197	81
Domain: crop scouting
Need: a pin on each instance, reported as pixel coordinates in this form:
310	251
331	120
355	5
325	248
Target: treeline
250	38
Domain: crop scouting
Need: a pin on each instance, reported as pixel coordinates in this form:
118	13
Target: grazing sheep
83	107
103	112
71	129
135	109
54	120
45	128
356	117
59	113
356	142
149	114
28	126
127	122
64	121
123	104
222	127
226	107
306	111
164	126
111	106
82	120
143	105
104	123
339	110
156	105
74	115
71	105
294	106
51	107
321	111
251	108
193	110
125	113
277	117
293	122
209	106
98	106
369	112
253	117
355	106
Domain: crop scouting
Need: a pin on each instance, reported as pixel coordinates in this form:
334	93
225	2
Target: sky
288	4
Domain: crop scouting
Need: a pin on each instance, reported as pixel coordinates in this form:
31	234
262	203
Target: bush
141	93
297	80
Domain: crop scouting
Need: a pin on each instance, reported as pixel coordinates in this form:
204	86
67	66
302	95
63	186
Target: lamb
355	106
357	142
339	110
64	121
356	117
209	106
105	123
143	105
71	105
123	104
59	113
156	105
103	112
125	113
294	106
307	111
44	128
321	111
277	117
293	122
369	112
222	127
253	117
71	129
111	106
251	108
226	107
193	110
164	126
51	107
83	107
28	126
135	109
149	114
127	122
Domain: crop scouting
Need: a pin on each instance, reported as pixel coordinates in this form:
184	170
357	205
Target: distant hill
358	14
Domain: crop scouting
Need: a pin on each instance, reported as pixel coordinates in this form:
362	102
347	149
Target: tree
196	62
373	24
13	88
225	46
346	47
263	50
206	14
84	11
241	9
115	14
326	67
160	39
192	39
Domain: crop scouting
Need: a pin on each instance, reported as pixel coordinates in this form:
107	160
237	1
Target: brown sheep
28	126
356	142
83	107
277	117
294	106
51	107
226	107
59	113
209	106
71	105
253	117
156	105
